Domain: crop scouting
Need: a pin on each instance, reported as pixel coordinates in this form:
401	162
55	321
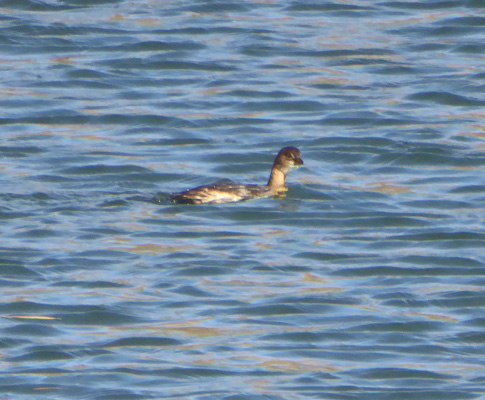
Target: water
365	282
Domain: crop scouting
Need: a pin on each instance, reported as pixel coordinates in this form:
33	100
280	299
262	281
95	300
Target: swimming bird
287	159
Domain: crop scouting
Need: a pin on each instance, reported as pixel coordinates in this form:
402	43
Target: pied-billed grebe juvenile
226	192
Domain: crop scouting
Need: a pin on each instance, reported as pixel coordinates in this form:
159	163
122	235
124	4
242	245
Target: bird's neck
277	179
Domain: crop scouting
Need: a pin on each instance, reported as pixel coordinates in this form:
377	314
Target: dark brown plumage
226	192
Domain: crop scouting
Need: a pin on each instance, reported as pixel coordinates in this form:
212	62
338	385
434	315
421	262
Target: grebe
226	192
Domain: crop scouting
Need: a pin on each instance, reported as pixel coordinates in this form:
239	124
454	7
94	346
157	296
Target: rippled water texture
365	282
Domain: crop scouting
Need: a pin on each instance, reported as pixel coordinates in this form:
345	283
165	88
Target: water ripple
365	281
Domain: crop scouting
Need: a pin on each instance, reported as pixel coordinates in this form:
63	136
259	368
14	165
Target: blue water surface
365	282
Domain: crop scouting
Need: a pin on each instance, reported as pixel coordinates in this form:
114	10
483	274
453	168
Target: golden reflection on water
155	249
30	317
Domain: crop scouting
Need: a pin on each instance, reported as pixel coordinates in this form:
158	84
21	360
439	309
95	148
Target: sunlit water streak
365	282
